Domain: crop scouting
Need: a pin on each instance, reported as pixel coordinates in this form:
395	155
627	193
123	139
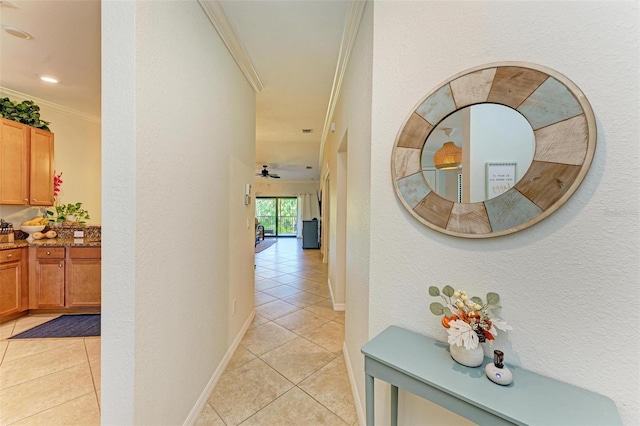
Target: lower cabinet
13	282
83	286
67	277
50	277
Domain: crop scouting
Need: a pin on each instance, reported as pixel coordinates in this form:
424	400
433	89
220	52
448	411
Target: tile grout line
86	352
44	375
296	385
4	353
335	355
38	352
48	408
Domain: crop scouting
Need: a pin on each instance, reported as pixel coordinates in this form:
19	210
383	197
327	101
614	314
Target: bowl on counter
31	230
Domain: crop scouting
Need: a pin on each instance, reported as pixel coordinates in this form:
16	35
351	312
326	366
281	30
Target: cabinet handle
26	200
9	256
60	265
48	253
34	200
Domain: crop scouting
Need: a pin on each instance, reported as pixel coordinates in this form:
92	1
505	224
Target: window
278	216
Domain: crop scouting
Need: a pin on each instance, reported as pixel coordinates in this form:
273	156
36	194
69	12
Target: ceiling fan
265	173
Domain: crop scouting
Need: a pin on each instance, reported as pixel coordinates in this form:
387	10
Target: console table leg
370	398
394	405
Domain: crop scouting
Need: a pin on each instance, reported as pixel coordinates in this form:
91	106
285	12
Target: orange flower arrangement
468	320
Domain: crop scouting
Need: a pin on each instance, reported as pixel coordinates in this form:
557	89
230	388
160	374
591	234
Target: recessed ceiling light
49	79
16	32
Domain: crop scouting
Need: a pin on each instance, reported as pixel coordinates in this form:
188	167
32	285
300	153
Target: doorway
278	216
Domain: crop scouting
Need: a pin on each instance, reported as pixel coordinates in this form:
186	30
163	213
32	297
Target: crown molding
215	12
44	103
356	9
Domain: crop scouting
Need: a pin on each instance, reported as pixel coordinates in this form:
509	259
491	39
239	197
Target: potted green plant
26	112
72	212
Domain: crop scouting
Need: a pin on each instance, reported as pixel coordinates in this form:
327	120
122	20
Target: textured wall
185	153
353	125
568	283
283	188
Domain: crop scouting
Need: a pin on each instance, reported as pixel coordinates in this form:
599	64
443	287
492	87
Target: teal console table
424	367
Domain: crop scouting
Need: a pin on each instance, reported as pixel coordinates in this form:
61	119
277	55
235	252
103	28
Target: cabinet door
14	163
10	287
50	283
41	170
83	282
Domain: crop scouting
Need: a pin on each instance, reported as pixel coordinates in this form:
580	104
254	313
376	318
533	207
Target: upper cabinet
26	165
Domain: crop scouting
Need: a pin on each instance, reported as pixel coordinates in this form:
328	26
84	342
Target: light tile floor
48	381
289	368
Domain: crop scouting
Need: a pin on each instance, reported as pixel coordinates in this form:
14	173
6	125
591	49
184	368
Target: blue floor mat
65	326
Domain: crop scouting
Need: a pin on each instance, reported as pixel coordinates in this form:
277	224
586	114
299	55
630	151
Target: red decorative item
57	181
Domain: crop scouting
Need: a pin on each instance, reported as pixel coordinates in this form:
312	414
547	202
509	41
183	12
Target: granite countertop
92	238
53	242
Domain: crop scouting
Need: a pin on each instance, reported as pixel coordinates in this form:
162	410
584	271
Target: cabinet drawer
84	253
10	255
50	253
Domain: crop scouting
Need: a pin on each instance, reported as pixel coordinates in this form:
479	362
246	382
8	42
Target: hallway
289	368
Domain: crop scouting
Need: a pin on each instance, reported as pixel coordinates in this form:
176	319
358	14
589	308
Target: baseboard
336	306
354	388
208	390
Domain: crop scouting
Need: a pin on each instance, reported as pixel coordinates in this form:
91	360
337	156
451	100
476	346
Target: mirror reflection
477	153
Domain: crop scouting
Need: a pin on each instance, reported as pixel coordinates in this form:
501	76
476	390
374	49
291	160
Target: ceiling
65	44
293	46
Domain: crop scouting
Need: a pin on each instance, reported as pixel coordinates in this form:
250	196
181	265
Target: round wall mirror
494	150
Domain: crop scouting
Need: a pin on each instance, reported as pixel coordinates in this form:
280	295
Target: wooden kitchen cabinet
26	164
65	278
50	277
41	168
13	282
83	286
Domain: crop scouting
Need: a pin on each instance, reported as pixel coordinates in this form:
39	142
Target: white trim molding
44	103
356	9
208	390
215	12
354	388
336	306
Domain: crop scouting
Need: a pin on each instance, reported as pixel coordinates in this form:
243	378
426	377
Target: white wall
179	146
498	135
77	143
567	284
353	117
284	188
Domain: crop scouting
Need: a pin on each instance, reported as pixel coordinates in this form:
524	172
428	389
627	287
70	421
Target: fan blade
274	176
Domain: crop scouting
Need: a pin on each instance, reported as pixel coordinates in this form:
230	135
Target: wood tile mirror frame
565	140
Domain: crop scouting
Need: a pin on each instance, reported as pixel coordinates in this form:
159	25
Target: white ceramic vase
468	357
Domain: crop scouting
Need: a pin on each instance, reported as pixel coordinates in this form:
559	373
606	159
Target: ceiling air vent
307	130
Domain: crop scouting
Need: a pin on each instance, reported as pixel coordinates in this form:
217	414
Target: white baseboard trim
354	388
336	306
208	390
